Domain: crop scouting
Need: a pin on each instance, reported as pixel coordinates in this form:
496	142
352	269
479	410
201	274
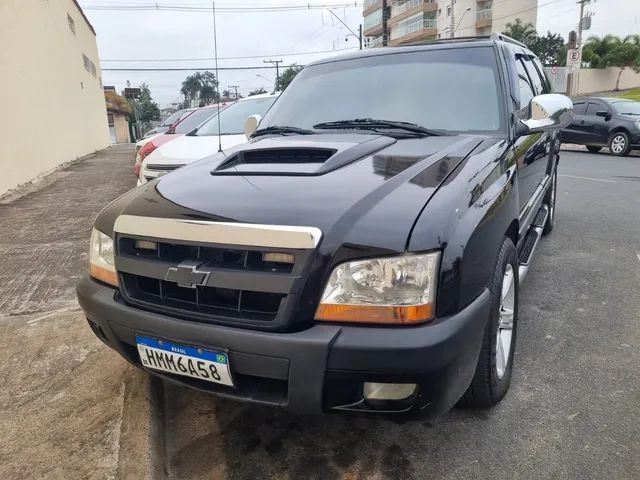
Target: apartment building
396	22
53	105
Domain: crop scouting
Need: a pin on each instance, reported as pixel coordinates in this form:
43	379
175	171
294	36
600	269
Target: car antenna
215	54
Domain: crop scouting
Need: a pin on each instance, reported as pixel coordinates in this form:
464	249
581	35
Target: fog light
388	391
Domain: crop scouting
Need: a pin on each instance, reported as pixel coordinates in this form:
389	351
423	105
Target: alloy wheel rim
505	322
618	144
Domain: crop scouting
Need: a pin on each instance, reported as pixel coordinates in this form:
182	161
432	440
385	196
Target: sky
140	37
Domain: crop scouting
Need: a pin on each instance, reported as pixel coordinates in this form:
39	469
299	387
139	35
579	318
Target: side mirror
603	113
548	112
251	125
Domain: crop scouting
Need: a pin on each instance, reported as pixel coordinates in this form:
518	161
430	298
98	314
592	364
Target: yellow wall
53	110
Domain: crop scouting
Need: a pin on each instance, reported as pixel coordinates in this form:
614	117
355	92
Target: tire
619	144
593	149
493	372
550	201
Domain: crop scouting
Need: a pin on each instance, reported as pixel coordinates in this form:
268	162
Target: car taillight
146	150
136	168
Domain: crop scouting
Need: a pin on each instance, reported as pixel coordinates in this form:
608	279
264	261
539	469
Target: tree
207	95
117	102
191	87
625	55
257	91
596	49
520	31
550	48
287	76
148	110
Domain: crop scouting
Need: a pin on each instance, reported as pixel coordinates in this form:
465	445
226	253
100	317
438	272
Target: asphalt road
573	410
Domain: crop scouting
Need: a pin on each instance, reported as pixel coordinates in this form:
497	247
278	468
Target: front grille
232	284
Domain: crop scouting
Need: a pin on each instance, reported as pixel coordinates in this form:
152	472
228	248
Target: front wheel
495	364
619	144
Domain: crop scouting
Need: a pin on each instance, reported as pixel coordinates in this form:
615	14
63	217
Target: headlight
101	259
396	290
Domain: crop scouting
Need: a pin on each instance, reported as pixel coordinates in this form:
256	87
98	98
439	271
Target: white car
204	140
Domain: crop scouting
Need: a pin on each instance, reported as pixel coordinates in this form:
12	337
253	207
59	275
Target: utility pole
360	36
452	27
277	64
235	87
576	79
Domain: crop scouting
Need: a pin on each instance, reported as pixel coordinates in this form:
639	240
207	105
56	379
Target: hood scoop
297	160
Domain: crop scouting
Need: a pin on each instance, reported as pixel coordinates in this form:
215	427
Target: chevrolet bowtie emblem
186	274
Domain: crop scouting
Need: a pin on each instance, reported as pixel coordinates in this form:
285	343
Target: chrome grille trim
223	233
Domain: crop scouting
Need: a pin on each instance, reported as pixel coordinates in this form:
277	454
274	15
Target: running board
531	241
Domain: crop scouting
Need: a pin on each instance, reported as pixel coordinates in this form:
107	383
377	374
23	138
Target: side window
579	108
534	76
526	91
543	75
592	108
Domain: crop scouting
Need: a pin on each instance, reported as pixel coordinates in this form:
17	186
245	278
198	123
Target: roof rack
493	36
506	38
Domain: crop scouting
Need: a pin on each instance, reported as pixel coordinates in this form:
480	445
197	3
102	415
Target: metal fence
558	78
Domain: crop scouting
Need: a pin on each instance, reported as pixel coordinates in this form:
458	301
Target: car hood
369	192
190	148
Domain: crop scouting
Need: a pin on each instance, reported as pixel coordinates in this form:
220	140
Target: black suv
363	252
605	122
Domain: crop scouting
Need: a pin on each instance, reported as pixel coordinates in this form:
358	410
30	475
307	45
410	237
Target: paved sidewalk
62	396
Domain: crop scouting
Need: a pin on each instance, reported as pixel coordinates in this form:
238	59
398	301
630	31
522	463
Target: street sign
554	70
574	59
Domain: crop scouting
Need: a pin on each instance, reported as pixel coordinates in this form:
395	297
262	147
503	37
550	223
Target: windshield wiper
373	124
282	130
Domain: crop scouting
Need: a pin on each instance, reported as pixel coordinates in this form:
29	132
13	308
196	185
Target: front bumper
314	370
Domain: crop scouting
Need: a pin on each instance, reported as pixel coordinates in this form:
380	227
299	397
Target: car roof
261	95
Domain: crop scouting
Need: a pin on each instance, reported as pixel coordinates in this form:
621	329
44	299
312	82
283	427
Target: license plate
184	360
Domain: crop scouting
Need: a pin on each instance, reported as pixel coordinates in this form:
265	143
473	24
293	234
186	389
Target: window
194	120
538	88
93	68
545	79
110	119
449	89
448	10
593	108
579	108
526	90
233	117
87	63
72	24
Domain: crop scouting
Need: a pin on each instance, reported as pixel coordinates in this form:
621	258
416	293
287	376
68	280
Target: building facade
50	89
396	22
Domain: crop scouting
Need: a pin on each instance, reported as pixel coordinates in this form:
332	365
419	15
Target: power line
235	9
226	58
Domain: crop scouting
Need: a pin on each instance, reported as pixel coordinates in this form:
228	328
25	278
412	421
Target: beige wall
53	110
594	80
503	12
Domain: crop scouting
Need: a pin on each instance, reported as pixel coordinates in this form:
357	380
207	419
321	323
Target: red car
188	123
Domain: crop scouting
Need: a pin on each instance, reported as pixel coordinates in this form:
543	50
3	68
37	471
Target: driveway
73	409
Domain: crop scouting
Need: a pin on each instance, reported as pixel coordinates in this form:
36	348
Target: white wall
53	110
593	80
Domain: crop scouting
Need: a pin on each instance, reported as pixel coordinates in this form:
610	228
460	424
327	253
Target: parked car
191	121
605	122
169	122
204	141
364	252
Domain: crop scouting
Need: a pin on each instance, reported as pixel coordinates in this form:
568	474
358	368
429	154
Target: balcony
483	18
375	42
372	25
425	28
370	6
400	11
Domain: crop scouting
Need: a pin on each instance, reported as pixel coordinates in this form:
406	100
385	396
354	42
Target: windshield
193	120
448	89
233	117
628	107
173	118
